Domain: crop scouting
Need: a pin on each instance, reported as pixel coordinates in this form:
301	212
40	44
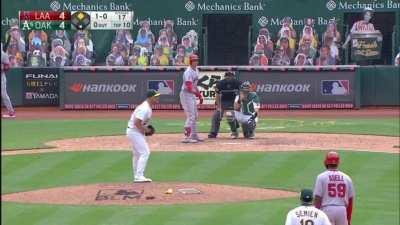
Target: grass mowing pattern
375	176
20	134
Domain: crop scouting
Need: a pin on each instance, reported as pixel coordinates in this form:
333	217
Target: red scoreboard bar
44	15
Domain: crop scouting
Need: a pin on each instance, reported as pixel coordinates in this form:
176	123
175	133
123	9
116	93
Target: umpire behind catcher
226	91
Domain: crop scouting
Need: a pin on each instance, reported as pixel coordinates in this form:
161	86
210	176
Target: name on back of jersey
306	213
336	178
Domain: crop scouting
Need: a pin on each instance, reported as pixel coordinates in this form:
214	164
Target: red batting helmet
193	57
332	158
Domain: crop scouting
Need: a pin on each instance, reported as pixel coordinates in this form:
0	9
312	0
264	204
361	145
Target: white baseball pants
140	151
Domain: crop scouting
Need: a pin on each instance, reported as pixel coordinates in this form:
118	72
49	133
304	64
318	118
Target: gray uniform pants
189	105
4	95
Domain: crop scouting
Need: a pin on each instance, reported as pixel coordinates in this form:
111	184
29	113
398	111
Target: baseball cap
153	93
306	195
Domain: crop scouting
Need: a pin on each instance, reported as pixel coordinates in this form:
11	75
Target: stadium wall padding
376	86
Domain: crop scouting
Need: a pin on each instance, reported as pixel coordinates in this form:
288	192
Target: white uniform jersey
142	112
334	187
190	75
362	26
307	215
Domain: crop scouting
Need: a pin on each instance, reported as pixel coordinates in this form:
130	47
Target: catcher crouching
247	106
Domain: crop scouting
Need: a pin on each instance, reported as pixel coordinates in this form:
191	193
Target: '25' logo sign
336	190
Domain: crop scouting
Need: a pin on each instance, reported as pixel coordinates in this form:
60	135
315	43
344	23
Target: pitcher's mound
146	193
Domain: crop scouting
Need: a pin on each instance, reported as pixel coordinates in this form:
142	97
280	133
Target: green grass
375	175
20	134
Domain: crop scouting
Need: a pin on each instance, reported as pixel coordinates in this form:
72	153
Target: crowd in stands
309	50
165	49
60	49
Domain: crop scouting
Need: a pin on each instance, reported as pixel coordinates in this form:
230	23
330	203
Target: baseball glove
150	130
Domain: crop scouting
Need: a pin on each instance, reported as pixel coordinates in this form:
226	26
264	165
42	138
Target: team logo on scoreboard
80	20
335	87
164	87
263	21
55	5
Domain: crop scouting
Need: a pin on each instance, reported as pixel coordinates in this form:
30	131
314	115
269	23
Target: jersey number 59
336	190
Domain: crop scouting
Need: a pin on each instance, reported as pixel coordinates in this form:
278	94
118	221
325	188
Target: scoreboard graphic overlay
78	20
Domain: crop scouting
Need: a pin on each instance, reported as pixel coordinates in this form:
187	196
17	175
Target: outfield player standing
226	91
5	65
247	105
188	96
137	127
306	214
334	192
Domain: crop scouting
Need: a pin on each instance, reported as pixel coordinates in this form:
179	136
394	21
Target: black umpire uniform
226	90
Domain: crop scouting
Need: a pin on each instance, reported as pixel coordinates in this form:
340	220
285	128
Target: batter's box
189	191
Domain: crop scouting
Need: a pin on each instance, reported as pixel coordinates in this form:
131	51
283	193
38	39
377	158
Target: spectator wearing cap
58	57
325	59
61	37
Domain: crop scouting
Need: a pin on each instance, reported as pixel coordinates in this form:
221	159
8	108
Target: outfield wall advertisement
277	90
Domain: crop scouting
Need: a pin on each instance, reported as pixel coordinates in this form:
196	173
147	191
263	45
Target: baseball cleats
189	140
9	115
142	179
234	135
212	135
197	138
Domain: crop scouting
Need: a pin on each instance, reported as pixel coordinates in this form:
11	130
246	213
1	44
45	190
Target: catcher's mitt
150	130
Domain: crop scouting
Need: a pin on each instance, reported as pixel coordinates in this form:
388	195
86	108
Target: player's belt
332	205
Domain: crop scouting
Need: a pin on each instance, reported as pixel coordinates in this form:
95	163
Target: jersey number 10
306	222
336	190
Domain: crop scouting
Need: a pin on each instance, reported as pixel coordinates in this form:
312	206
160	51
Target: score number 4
336	190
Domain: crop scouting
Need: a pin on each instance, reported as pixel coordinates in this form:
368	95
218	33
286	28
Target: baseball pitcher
334	192
247	105
5	65
226	91
138	128
188	96
306	214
